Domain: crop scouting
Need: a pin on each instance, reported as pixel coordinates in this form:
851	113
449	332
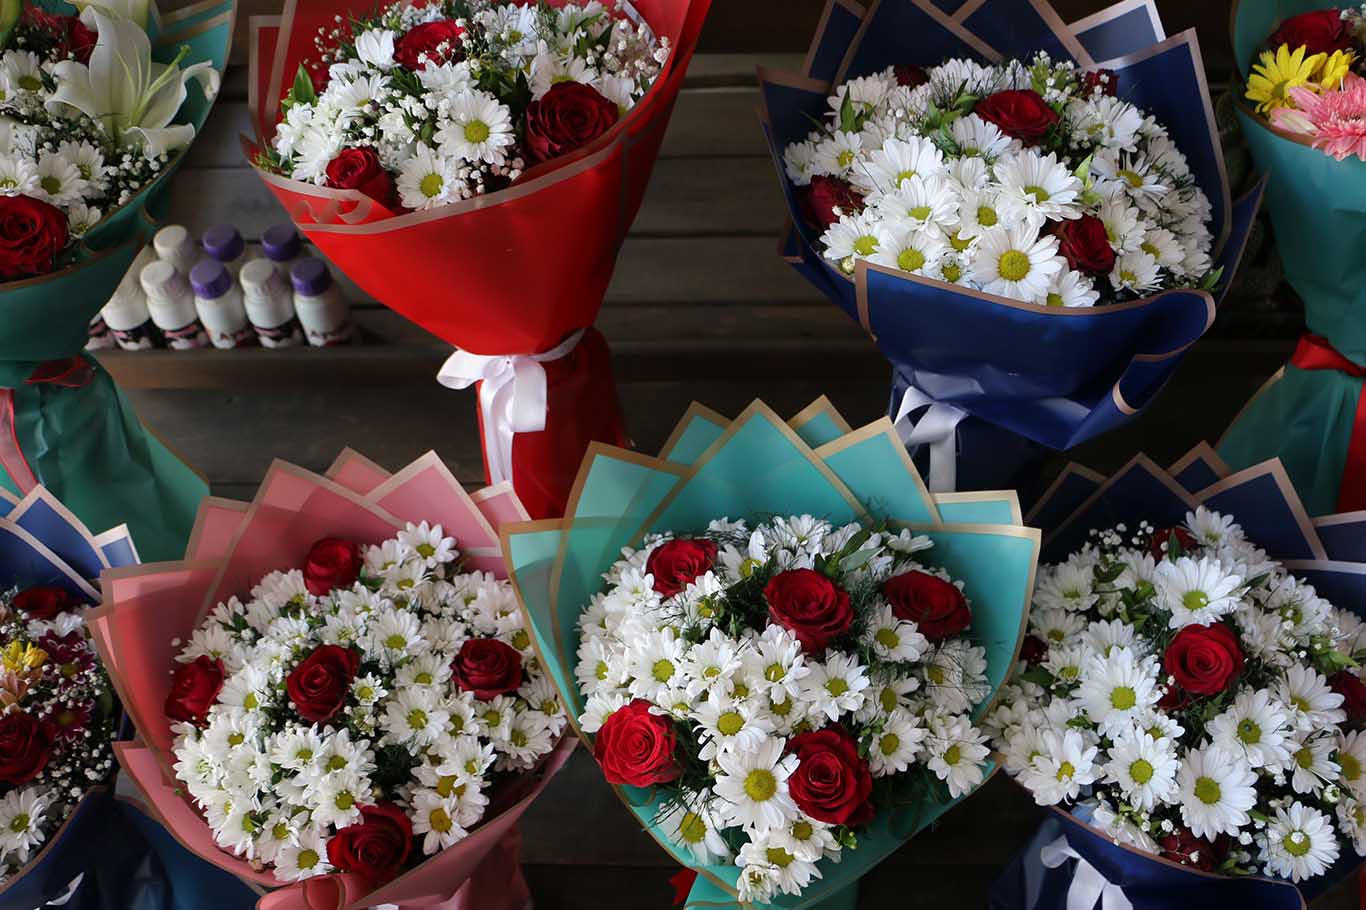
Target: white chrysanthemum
836	686
18	176
922	203
893	639
838	154
480	129
977	138
852	237
304	858
730	724
656	664
911	249
691	823
1108	121
1064	765
1255	726
1217	789
1312	765
1300	843
375	46
1056	625
1116	689
21	822
427	179
896	747
896	163
1071	288
1036	187
956	752
1144	768
1105	636
433	815
1351	749
1313	703
1016	262
766	857
429	543
955	675
799	160
752	785
59	180
774	660
1196	591
1136	272
711	663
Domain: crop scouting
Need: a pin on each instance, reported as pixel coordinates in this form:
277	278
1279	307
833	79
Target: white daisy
1064	765
837	685
1035	187
480	129
956	752
1071	288
789	873
896	747
1300	843
1016	262
852	237
1196	591
1144	768
1116	689
1136	271
1216	789
21	822
753	786
730	724
1313	703
1256	727
691	823
427	179
896	162
1312	764
894	639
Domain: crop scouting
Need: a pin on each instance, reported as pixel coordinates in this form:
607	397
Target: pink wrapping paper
150	610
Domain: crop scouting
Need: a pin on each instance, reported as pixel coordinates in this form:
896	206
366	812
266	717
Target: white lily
133	10
132	96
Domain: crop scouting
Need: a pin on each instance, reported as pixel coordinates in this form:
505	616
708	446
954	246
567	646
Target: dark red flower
1019	113
32	234
1204	659
487	667
25	747
375	848
332	563
1353	692
359	169
1105	80
1033	650
1318	32
820	200
1084	243
910	75
936	606
636	747
439	41
1159	545
810	606
319	685
44	602
194	688
675	564
832	782
568	116
1189	850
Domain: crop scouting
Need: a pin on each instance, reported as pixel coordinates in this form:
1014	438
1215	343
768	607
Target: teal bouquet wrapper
755	467
1312	414
63	422
1329	552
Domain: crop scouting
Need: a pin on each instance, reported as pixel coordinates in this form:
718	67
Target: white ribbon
512	398
1089	887
936	428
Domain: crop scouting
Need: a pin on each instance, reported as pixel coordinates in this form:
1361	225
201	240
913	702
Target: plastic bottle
171	303
224	243
218	301
325	316
97	336
283	246
174	244
270	305
126	312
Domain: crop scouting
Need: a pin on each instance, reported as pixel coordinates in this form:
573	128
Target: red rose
910	75
376	847
318	686
1159	544
44	602
79	40
636	748
24	747
567	117
1019	113
487	667
1105	80
332	563
810	606
824	195
1189	850
32	234
832	783
1204	658
676	564
439	40
1033	650
1353	692
194	688
359	169
1085	245
936	606
1319	32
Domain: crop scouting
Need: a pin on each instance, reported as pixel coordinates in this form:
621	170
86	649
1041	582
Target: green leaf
1037	675
301	92
1083	170
848	119
1212	279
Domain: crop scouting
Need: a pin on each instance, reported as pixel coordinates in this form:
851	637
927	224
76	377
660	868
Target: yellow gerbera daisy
1277	73
1334	69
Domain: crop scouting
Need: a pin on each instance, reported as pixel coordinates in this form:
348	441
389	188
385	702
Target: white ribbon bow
1089	887
936	428
512	398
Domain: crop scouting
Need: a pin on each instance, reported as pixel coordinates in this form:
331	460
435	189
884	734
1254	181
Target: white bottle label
226	320
326	319
179	324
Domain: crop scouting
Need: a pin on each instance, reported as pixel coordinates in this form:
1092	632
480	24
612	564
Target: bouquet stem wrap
63	422
494	275
1312	414
1070	861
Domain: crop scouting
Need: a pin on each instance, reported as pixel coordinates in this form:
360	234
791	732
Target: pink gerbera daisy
1335	121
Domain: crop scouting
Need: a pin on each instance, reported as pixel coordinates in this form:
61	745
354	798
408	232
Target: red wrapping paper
512	272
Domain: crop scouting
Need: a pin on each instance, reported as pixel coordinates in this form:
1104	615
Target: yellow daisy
1334	69
1277	73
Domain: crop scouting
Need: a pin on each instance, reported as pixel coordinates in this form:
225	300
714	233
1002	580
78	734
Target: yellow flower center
1249	732
760	785
952	755
1207	790
1039	193
476	131
730	723
1066	770
779	857
1141	771
986	216
887	637
865	245
1195	601
1053	299
692	829
439	820
308	858
431	185
1122	698
889	743
662	671
1013	265
920	212
1133	178
837	687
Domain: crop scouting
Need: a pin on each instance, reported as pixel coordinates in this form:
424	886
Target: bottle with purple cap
325	316
218	300
283	246
224	243
270	305
170	301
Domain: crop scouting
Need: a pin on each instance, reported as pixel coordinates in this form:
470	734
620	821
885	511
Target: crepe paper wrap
1056	376
63	422
508	275
1328	552
752	468
104	856
147	610
1312	414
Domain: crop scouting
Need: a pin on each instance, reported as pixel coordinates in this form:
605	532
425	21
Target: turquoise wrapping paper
85	443
1318	210
754	467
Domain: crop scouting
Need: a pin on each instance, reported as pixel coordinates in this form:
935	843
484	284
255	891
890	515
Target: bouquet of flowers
97	112
1301	115
473	125
983	183
781	699
58	725
1190	700
365	716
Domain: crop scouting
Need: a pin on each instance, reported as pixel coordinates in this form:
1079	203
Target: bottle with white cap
270	305
218	301
174	244
126	312
224	243
283	246
97	336
325	316
171	303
